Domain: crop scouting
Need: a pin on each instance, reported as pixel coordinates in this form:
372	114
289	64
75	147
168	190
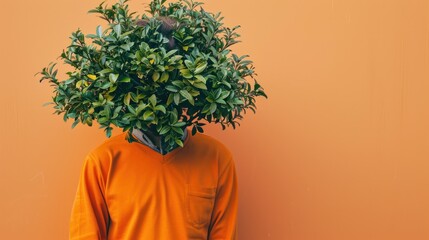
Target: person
132	191
138	191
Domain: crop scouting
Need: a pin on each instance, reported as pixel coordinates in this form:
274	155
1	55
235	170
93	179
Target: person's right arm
89	216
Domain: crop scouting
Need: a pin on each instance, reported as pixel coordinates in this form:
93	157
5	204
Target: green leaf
160	108
134	97
144	46
127	46
108	132
171	88
113	77
126	33
176	98
106	70
152	100
69	81
105	85
173	116
188	96
226	83
218	92
99	31
188	63
175	58
141	107
179	142
200	68
47	103
224	72
237	101
200	85
170	99
179	124
110	39
246	62
164	130
131	109
213	59
221	101
171	52
91	36
224	94
206	108
75	122
125	79
200	129
103	120
117	29
178	130
177	83
148	115
116	111
213	107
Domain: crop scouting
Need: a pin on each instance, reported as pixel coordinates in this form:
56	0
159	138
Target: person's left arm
223	223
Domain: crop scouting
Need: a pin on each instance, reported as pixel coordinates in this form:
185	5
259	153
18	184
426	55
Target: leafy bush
158	74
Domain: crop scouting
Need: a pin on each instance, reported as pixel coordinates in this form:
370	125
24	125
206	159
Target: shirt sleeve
223	224
89	216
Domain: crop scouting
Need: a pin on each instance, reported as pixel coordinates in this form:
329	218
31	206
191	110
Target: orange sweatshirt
128	191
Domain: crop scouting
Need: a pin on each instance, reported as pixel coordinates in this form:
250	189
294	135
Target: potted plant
158	73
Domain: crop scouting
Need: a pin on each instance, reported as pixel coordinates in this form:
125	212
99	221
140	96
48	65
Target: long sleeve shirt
130	191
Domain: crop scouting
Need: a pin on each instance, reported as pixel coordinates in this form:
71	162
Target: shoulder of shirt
109	147
210	143
214	146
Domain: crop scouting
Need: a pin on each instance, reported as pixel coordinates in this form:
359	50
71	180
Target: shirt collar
146	140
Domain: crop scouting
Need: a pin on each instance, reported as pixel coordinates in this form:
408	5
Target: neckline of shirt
153	150
146	140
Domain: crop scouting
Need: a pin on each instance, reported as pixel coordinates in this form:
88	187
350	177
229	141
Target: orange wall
339	151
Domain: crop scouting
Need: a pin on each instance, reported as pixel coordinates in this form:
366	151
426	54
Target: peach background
339	151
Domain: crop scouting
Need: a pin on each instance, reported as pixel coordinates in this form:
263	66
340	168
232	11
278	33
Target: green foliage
127	77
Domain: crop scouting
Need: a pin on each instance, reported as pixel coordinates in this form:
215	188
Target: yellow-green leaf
152	100
201	78
79	83
164	77
200	85
186	73
140	108
148	115
155	76
91	76
179	142
170	99
127	99
200	68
